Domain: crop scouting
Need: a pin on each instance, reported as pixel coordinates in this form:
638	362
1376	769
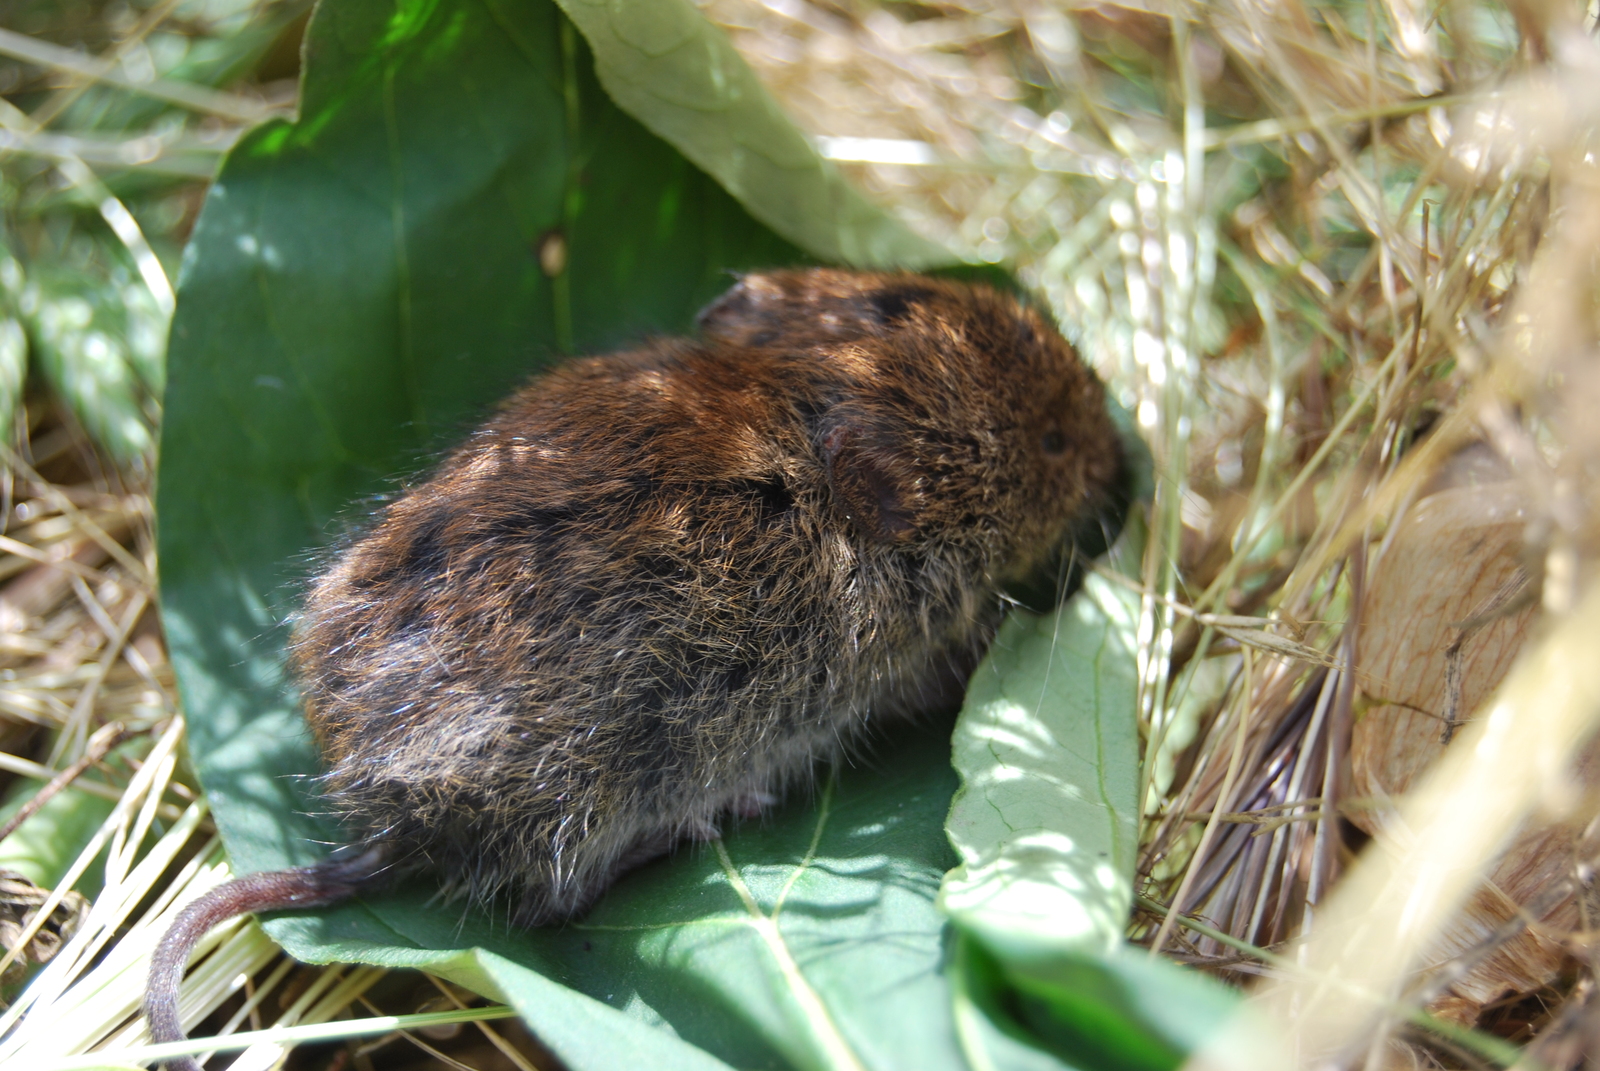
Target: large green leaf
807	940
361	286
1046	820
1046	823
680	76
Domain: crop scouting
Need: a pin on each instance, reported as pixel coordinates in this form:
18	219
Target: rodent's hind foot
700	831
545	906
752	804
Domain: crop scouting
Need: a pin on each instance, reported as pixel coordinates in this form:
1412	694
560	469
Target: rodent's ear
745	315
876	486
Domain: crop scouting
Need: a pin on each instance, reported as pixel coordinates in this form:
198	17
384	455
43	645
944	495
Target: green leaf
144	333
1046	820
361	286
807	940
665	65
1120	1011
1046	823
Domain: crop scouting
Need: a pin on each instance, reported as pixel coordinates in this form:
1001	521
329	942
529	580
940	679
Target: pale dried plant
85	683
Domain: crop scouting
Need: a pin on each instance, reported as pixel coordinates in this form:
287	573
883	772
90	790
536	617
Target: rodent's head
945	413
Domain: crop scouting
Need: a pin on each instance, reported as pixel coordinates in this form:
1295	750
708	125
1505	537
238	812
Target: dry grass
86	689
1340	261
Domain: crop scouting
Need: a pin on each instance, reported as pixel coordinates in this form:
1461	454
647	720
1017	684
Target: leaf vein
835	1050
824	806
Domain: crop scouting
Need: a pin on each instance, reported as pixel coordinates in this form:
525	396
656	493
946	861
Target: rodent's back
662	583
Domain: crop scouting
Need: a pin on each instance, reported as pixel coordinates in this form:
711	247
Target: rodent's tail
273	890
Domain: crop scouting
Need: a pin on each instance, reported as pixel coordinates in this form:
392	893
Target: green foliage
460	204
665	65
1106	1011
95	333
1046	823
99	343
362	285
13	372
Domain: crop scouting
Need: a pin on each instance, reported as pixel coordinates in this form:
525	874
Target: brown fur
658	586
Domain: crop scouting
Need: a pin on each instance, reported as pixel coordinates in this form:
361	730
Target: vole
658	587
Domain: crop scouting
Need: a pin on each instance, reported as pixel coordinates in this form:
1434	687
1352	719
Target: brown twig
100	744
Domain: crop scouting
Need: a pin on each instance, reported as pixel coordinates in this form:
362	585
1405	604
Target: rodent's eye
1054	443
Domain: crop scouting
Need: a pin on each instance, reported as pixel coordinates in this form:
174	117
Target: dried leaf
19	900
1452	586
1457	552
